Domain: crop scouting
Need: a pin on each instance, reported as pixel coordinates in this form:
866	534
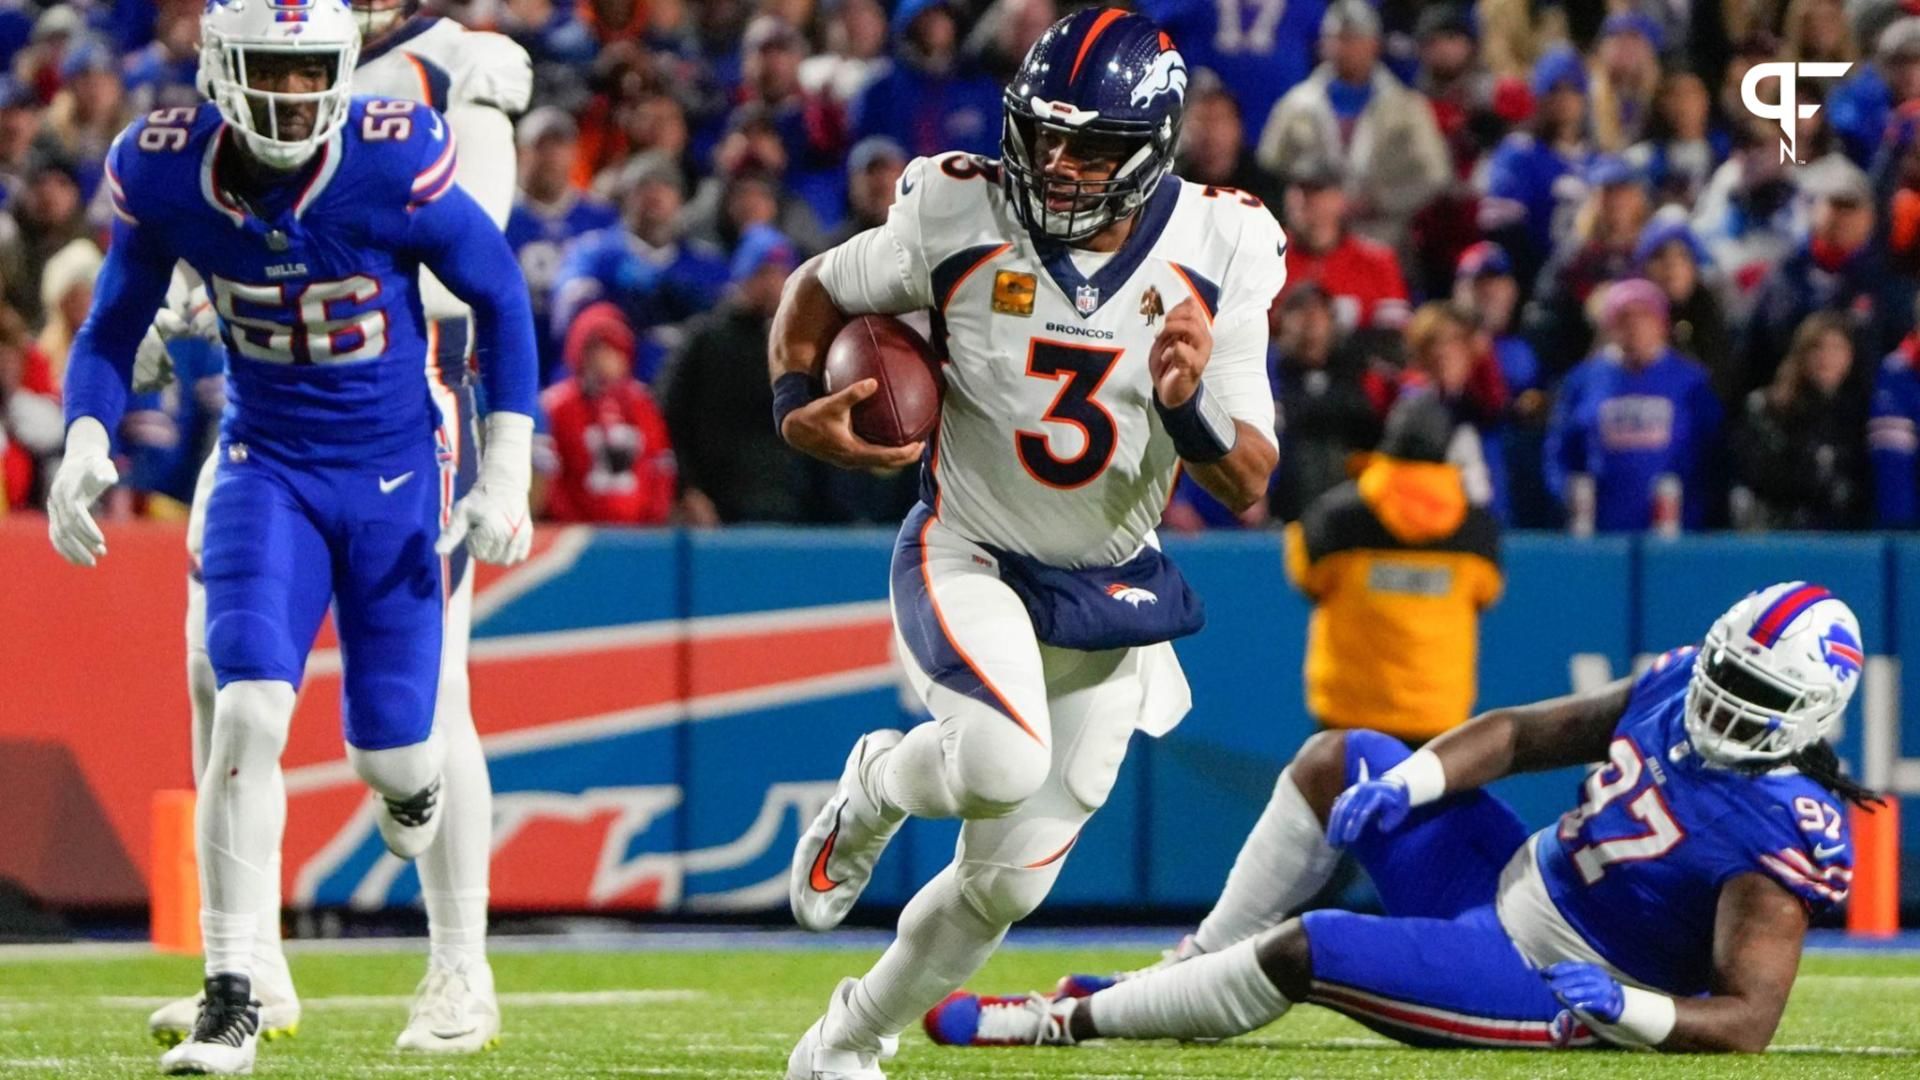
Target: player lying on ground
1103	324
1666	910
477	80
309	215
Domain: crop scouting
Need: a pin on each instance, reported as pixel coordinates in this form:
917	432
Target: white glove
188	314
493	518
84	473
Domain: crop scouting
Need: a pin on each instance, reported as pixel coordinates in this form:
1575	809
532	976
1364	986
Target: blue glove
1382	804
1587	989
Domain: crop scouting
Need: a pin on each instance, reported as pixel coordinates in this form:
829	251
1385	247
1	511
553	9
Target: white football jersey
480	81
1049	444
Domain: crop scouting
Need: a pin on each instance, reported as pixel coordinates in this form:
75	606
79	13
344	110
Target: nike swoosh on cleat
818	878
450	1035
387	486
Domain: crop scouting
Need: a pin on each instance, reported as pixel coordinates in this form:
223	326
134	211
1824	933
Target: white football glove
188	313
84	473
493	518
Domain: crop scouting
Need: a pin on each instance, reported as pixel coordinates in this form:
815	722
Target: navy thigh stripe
920	623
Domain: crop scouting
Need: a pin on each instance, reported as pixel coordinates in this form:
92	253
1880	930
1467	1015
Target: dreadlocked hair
1820	764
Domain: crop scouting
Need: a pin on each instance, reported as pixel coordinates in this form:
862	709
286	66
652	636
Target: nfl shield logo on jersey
1086	299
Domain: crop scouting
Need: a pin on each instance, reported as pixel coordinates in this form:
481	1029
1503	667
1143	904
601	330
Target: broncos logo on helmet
1167	75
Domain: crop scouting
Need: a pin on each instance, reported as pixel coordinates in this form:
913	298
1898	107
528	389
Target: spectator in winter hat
1380	132
734	467
1669	255
1363	277
1599	250
1626	74
1837	267
1533	178
874	166
606	457
1635	417
931	100
1860	106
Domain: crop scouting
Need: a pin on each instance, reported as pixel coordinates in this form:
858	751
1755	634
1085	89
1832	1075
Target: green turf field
737	1013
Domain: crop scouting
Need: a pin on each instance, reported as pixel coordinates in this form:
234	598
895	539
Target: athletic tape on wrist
1201	428
1424	776
1646	1015
791	391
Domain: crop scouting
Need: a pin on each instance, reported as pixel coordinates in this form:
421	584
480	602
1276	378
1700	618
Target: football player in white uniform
1101	325
479	81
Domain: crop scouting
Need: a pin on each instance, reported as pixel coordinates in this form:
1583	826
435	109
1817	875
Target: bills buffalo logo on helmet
1168	74
1842	652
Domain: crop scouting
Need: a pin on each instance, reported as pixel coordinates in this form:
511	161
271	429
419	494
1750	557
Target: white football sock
1283	863
912	777
239	815
453	872
1208	997
941	942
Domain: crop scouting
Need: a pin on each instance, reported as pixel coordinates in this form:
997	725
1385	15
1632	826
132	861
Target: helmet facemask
1069	210
1738	713
269	121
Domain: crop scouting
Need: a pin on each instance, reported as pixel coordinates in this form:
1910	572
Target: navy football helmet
1103	78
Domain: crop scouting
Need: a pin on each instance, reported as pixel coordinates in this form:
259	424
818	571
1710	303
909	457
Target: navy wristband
790	391
1202	431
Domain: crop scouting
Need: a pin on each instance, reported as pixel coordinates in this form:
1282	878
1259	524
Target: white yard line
537	999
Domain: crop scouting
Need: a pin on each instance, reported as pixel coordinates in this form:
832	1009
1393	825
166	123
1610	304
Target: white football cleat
965	1019
226	1035
272	987
409	825
454	1011
813	1059
834	859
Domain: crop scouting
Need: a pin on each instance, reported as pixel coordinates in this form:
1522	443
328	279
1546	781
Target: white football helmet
1774	675
233	30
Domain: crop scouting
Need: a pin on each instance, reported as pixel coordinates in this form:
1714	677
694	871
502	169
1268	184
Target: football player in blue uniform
1666	910
308	214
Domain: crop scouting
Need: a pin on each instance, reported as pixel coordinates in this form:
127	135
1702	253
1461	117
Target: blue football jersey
314	278
1637	867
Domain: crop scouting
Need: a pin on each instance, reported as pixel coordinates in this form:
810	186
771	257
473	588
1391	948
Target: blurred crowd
1560	218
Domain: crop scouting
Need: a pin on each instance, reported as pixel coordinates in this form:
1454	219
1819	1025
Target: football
881	347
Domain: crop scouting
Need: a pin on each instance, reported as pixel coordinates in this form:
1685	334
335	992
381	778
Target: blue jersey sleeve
131	286
1666	676
452	236
1805	845
1894	439
1565	451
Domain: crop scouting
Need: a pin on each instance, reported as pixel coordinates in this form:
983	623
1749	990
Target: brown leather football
881	347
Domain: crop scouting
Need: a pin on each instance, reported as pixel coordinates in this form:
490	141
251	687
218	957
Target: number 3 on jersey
1084	370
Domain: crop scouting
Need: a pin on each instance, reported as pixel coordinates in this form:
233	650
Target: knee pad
1379	752
250	721
401	771
995	766
1004	895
